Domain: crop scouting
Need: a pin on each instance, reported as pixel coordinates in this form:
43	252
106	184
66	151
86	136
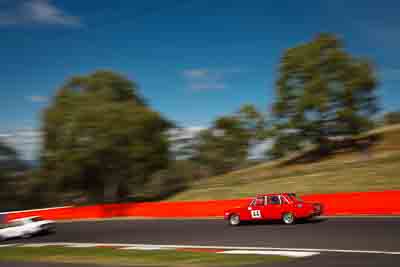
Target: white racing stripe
295	254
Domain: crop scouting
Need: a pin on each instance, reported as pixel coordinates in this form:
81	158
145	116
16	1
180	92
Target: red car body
274	207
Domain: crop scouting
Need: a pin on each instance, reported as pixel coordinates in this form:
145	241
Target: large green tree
101	137
226	145
322	92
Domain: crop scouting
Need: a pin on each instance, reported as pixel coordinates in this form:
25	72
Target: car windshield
295	198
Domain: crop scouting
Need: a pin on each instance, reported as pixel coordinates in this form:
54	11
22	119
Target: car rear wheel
234	220
288	218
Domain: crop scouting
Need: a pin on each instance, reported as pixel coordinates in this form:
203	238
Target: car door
256	209
273	208
12	230
5	232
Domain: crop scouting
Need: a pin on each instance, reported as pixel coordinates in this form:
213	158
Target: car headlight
299	205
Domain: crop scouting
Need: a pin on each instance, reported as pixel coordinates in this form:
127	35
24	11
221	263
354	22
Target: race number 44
255	214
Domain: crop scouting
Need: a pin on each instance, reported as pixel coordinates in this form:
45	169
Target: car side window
260	201
274	200
284	199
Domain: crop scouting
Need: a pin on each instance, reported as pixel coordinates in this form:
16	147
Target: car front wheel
288	218
27	235
234	220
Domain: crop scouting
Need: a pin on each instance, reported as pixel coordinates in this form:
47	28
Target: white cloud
4	136
195	73
185	133
257	151
26	142
35	12
38	99
202	79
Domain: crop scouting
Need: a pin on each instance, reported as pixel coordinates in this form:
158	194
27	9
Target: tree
100	136
226	145
223	147
323	92
392	118
13	179
254	122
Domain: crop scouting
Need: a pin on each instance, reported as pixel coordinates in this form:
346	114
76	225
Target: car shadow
279	222
21	239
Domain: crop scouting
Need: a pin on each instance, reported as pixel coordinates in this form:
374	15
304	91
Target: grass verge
114	257
340	172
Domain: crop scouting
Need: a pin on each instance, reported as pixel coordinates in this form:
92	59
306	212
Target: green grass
345	171
114	257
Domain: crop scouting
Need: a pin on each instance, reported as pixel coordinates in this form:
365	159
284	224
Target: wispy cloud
185	133
196	73
202	79
27	142
16	12
37	99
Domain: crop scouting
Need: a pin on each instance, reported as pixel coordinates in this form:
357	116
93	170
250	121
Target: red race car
285	206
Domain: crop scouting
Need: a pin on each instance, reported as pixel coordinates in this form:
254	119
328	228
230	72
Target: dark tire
288	218
234	220
26	235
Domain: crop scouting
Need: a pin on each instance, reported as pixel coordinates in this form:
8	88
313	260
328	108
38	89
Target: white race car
25	228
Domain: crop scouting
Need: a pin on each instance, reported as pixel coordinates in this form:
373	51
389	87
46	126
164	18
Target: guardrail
356	203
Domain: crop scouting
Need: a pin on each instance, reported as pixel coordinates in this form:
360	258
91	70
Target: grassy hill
377	168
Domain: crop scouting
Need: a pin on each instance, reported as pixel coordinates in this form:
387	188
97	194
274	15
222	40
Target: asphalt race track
355	234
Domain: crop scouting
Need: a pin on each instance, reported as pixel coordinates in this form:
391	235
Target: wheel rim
288	218
234	219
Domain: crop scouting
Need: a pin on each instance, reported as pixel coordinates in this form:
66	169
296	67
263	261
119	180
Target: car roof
273	194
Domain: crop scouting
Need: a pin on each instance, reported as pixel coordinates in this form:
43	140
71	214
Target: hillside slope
375	169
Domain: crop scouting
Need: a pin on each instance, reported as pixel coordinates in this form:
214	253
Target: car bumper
47	228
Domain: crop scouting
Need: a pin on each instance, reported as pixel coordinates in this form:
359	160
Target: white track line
219	247
295	254
148	247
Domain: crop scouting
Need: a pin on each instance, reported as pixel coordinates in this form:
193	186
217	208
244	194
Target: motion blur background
179	100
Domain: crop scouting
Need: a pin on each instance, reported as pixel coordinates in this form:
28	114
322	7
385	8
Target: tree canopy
226	145
323	92
100	137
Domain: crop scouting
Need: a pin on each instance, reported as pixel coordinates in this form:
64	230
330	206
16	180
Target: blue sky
193	59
